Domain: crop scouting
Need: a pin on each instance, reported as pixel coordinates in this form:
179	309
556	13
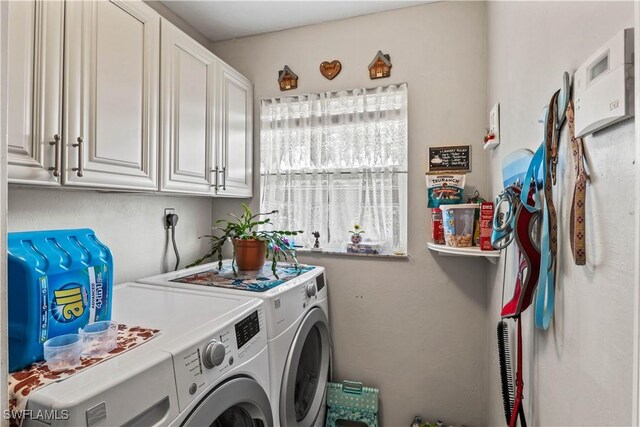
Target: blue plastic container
59	281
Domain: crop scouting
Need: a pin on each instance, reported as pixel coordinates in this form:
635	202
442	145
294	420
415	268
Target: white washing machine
297	316
208	366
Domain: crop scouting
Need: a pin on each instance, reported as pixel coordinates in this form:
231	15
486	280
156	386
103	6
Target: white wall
415	329
578	372
176	20
4	403
131	225
636	331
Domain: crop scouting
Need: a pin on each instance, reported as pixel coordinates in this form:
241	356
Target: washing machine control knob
311	289
213	354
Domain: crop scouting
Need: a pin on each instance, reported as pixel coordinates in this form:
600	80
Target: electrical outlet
167	211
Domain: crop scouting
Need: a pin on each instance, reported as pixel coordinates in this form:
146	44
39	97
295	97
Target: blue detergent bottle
59	281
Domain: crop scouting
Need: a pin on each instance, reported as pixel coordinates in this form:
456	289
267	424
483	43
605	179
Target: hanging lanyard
542	171
545	299
578	215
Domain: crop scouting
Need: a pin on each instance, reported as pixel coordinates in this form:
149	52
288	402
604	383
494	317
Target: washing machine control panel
201	365
286	307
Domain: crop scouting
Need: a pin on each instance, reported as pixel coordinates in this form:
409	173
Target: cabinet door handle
224	177
215	174
56	153
80	169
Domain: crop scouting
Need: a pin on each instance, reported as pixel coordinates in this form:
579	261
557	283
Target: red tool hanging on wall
526	226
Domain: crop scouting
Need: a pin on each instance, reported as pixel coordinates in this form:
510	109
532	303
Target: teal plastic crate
353	402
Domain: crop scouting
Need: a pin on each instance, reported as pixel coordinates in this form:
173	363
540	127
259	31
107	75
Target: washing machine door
239	402
306	372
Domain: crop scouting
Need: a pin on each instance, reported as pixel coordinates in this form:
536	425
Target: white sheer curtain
334	159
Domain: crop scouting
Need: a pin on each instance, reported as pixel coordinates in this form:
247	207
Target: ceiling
224	20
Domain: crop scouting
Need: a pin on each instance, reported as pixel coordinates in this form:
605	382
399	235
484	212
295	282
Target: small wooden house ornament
380	66
287	79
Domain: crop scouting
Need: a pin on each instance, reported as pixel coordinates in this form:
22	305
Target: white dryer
297	316
208	366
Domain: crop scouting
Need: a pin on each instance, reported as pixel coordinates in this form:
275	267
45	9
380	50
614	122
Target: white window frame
403	196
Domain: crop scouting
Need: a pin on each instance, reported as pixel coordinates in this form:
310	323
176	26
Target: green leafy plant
246	227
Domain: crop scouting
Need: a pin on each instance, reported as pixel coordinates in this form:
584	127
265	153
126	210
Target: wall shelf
472	251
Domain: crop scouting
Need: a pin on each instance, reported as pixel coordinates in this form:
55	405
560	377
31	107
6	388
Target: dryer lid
177	311
261	284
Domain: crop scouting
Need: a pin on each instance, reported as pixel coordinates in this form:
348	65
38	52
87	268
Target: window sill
338	252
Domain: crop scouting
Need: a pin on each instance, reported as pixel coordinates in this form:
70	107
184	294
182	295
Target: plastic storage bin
350	401
458	222
59	281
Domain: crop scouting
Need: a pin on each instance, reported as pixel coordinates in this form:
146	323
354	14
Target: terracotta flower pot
250	254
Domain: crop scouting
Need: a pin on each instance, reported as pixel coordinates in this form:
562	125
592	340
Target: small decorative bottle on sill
316	244
356	237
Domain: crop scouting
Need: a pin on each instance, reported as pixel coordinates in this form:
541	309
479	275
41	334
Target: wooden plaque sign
451	158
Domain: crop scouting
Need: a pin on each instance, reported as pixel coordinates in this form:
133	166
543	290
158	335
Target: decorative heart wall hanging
330	69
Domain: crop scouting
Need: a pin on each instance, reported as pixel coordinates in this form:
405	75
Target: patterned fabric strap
578	215
551	146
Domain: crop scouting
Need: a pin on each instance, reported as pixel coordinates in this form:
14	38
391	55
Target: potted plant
251	246
356	237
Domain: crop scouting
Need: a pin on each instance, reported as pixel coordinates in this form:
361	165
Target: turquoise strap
545	297
537	170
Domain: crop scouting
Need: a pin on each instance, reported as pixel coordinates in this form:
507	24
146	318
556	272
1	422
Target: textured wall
176	20
578	372
3	209
415	329
130	224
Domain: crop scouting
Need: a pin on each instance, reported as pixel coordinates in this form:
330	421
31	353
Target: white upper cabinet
187	100
111	95
35	40
100	96
236	134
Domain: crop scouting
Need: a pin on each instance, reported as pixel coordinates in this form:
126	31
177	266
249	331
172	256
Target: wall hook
563	99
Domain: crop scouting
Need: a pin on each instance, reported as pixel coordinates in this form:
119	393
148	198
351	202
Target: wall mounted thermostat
603	85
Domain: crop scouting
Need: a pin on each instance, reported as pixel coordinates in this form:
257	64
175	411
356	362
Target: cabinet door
111	102
236	139
34	82
187	105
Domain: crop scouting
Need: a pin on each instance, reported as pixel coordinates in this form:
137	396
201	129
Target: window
332	160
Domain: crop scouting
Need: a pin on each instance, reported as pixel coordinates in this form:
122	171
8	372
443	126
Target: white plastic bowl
63	352
99	338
